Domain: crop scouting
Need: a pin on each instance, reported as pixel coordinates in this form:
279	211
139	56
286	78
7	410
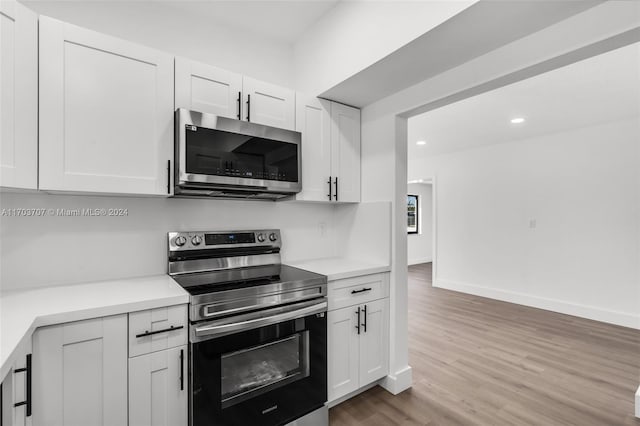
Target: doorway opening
421	216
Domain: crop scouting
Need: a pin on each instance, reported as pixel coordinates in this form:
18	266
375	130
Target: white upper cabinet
330	150
106	113
18	96
205	88
268	104
345	152
313	120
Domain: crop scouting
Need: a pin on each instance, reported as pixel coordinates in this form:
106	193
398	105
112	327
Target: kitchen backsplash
63	239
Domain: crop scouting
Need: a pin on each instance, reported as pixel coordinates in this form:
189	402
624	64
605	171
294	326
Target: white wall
354	35
384	136
550	222
164	26
420	245
43	251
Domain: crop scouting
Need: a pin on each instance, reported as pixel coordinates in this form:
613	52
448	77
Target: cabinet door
158	388
204	88
80	373
18	96
342	351
106	113
374	342
345	151
313	120
14	390
268	104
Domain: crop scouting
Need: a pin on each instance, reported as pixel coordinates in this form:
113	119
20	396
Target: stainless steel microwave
222	157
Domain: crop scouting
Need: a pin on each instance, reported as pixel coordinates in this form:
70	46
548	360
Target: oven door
268	369
223	152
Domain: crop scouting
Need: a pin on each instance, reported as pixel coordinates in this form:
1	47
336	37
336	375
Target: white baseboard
590	312
398	382
638	403
417	261
350	395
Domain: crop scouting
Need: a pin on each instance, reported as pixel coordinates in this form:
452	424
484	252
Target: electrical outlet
532	223
322	228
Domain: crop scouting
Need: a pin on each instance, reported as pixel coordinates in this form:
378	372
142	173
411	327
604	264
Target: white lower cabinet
15	401
158	388
358	334
343	352
80	373
374	341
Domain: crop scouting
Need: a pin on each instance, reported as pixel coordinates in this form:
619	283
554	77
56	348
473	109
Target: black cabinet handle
149	333
181	369
168	176
364	324
336	194
329	188
360	291
248	107
358	322
27	370
239	104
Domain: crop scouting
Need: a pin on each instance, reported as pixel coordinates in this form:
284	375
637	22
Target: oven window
251	372
220	153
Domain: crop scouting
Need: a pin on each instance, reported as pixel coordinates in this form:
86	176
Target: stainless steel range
257	333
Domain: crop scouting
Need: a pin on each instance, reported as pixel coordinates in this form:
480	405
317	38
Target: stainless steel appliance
222	157
257	333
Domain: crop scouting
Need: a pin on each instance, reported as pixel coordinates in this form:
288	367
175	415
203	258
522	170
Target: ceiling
479	29
283	21
280	21
598	90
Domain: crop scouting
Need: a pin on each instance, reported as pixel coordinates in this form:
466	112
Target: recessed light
421	143
517	120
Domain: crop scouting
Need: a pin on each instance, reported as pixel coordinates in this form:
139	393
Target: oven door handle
215	329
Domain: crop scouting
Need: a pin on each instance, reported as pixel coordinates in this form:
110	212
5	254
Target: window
412	214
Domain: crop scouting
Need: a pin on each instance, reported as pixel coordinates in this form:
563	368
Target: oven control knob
180	241
273	236
261	238
196	240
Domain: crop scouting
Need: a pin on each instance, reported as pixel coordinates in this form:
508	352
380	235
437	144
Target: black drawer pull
360	291
181	369
27	370
364	324
149	333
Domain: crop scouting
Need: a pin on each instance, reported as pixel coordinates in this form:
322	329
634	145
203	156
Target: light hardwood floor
478	361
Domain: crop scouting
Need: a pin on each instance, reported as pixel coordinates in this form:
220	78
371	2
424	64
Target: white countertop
336	268
21	312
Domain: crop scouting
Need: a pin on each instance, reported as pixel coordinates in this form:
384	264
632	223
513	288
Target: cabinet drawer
353	291
157	329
